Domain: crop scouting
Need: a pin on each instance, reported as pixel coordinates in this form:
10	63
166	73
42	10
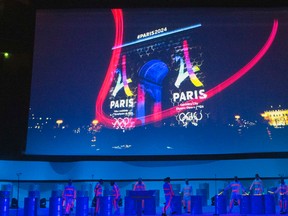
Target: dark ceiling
16	37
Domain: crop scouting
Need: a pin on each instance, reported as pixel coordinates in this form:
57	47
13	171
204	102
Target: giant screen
123	82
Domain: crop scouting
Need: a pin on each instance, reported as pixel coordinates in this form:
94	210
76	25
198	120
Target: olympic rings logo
123	123
189	117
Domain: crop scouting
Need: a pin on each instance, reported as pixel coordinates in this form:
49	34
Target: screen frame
216	156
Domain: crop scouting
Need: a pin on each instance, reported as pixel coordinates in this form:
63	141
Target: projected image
153	62
158	82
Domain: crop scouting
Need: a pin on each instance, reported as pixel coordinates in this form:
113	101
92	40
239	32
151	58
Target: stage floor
207	210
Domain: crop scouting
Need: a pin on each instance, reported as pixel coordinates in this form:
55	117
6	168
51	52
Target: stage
207	210
130	208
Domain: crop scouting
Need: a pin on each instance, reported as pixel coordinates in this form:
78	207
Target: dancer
282	190
116	197
98	190
236	191
187	193
140	186
169	194
257	186
69	196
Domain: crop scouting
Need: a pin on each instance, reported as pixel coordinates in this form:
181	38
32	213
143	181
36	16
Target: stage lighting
43	202
6	55
213	201
14	203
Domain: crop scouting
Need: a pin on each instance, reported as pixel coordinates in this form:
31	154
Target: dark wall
16	38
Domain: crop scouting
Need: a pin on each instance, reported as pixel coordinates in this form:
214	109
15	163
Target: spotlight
6	55
43	202
14	203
